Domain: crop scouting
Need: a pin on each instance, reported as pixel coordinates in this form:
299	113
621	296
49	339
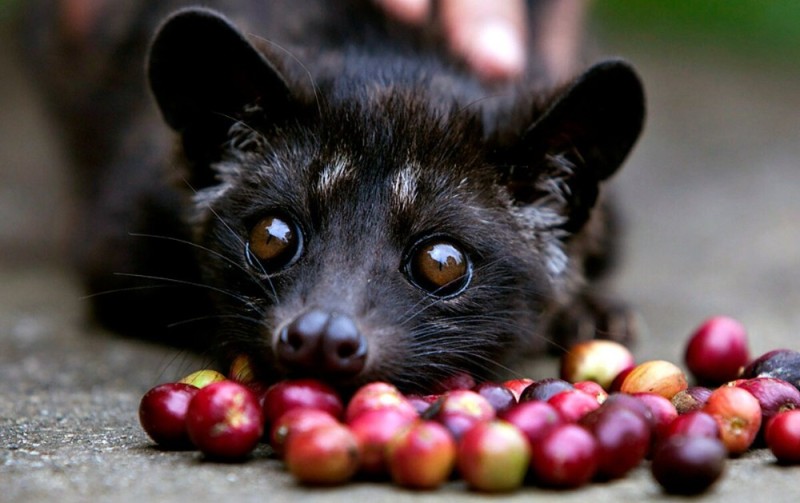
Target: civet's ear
203	73
580	140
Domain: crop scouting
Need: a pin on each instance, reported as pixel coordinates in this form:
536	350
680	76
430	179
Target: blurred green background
6	8
768	29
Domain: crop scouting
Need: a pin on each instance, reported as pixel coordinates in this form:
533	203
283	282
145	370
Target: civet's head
356	234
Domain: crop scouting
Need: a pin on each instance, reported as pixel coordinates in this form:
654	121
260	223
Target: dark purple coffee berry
687	465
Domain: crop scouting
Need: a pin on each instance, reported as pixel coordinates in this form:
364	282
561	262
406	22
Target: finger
78	18
559	40
488	35
414	12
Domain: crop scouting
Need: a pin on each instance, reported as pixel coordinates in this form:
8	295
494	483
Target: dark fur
511	173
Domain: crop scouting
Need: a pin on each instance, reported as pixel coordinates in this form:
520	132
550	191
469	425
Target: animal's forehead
408	200
398	156
402	183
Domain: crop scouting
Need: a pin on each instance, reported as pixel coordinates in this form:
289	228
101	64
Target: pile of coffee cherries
603	417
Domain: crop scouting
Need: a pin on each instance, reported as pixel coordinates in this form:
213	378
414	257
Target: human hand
488	35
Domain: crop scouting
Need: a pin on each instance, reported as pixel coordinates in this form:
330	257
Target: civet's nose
320	342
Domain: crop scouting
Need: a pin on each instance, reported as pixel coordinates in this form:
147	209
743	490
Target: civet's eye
275	242
439	266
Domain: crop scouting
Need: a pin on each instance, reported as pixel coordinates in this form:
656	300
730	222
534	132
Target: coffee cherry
459	381
782	435
517	386
421	403
565	457
203	378
696	423
224	420
623	438
306	393
375	396
422	456
241	370
533	419
655	376
738	415
374	430
596	360
325	455
468	403
498	396
593	389
783	364
664	413
773	395
294	421
691	399
616	384
544	389
460	410
493	457
632	403
162	413
717	351
688	465
573	404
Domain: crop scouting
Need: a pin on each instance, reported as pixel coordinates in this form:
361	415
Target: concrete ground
711	197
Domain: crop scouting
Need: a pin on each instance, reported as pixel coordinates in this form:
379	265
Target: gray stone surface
711	197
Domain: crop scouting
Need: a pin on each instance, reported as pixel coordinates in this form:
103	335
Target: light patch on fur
205	198
542	220
227	172
333	174
244	138
540	226
404	188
